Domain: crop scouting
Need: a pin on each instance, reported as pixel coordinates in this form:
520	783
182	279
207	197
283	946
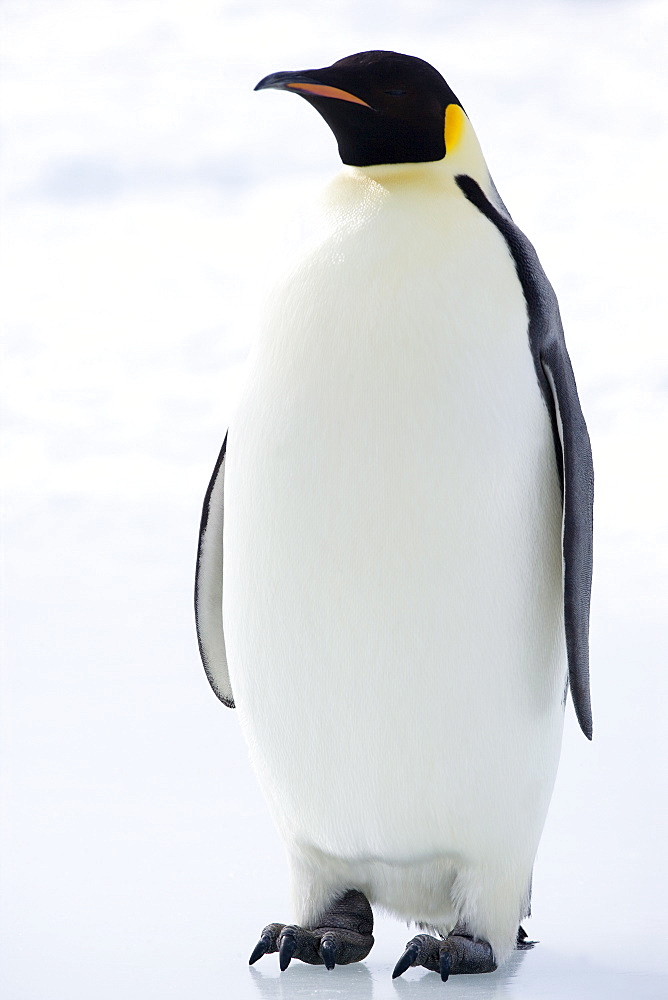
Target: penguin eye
395	93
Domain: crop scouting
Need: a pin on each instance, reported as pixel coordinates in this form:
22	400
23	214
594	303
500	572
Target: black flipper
209	586
571	442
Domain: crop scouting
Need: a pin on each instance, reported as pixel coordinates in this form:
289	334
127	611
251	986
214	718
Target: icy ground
147	192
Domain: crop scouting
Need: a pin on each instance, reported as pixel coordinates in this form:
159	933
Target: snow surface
148	195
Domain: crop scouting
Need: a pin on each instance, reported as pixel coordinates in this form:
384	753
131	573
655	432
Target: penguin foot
523	943
457	954
343	935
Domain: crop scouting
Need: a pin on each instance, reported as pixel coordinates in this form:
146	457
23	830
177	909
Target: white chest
392	519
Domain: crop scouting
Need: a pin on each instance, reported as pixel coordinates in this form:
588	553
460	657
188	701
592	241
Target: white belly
392	580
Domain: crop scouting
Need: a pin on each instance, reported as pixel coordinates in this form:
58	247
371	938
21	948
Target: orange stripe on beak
320	90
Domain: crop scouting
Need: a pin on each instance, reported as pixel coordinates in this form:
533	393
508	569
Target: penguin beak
306	85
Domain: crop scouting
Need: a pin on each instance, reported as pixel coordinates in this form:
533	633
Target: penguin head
383	107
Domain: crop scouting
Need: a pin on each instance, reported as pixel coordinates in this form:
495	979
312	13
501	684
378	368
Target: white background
148	194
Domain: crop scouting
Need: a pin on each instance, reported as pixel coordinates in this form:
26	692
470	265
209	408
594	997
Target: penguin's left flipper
209	586
571	440
343	935
457	954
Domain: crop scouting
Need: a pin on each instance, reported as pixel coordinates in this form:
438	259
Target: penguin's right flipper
571	442
209	586
577	531
343	935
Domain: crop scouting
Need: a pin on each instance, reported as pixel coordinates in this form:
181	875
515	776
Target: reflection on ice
544	974
301	980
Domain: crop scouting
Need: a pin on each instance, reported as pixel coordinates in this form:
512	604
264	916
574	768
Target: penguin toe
444	965
421	950
287	947
408	958
267	943
260	949
328	950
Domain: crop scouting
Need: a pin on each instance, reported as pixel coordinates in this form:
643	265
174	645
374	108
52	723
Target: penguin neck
464	157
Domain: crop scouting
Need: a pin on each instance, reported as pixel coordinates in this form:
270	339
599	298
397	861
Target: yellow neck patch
454	126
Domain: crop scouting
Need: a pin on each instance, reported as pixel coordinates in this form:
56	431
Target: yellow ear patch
454	126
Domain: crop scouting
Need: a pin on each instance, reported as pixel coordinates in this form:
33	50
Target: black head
383	107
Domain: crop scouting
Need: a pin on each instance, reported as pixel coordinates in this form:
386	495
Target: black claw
287	950
406	960
328	952
523	943
444	966
260	949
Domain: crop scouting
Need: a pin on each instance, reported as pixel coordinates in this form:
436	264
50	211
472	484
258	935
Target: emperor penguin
395	556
